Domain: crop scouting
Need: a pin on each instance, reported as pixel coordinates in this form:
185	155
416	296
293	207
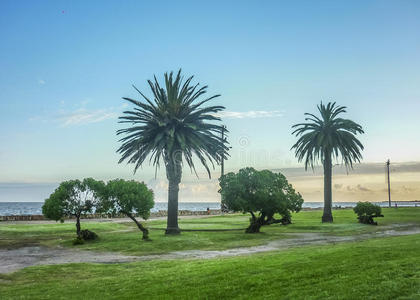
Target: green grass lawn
382	268
126	238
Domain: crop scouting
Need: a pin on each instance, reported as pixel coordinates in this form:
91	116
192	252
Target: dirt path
15	259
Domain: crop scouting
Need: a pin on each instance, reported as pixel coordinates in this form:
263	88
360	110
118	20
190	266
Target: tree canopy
73	198
262	192
326	136
175	125
130	198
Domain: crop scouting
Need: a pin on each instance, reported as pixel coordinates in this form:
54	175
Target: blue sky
64	67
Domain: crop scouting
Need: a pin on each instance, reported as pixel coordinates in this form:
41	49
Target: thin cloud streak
80	115
83	116
253	114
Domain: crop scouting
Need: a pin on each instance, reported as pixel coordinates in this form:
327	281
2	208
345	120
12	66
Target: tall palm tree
326	138
171	127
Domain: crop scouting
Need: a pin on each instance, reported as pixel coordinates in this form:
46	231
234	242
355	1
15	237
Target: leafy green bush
262	194
366	211
78	241
88	235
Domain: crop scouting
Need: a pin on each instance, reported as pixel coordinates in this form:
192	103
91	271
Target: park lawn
126	238
345	222
379	268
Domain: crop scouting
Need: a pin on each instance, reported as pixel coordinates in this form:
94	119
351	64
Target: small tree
73	198
366	211
260	192
130	198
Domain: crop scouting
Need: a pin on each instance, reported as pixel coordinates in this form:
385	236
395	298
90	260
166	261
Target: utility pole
389	185
223	156
222	205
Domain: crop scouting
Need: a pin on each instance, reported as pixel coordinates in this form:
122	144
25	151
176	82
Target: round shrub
78	241
366	211
88	235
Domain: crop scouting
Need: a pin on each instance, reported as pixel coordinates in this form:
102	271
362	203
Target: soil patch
14	259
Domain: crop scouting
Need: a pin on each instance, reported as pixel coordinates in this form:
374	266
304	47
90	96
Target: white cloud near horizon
250	114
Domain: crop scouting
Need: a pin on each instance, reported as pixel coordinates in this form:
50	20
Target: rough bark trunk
285	220
173	173
78	225
143	229
255	224
327	216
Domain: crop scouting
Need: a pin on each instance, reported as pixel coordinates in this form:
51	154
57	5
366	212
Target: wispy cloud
363	189
250	114
41	82
358	188
80	115
84	116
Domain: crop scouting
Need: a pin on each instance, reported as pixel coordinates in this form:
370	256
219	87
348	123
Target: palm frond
327	135
172	120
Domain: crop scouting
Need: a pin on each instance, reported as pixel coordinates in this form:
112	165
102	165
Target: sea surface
35	208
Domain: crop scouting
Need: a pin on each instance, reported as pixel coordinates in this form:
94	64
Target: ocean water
35	208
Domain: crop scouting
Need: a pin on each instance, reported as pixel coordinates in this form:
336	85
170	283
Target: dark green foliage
171	126
172	123
53	207
130	198
88	235
73	198
324	138
366	211
328	135
78	241
262	192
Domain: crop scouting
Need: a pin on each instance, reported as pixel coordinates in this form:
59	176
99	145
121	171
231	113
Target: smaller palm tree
324	138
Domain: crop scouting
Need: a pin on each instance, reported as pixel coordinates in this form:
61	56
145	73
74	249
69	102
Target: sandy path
14	259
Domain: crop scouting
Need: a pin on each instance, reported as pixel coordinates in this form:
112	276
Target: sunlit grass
126	238
383	268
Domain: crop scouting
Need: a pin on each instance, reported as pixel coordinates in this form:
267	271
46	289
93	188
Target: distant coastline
35	208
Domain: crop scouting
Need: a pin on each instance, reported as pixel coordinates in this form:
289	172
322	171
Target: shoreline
31	219
153	215
156	215
101	220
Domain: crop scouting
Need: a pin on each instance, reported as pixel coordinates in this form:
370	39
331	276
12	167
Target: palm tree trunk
173	173
78	225
327	216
